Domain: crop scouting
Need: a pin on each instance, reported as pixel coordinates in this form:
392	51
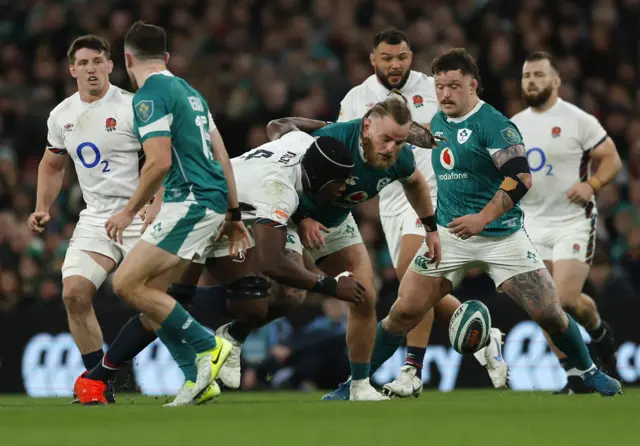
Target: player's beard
384	80
377	161
539	98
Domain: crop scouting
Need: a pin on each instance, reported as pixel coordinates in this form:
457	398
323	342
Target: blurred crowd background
256	60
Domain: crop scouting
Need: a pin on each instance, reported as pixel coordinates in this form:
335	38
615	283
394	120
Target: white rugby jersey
420	93
100	140
558	142
269	177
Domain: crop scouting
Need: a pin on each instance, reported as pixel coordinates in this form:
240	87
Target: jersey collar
100	101
382	91
163	73
460	119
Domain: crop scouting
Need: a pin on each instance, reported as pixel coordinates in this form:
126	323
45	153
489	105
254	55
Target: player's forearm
608	169
282	126
419	197
501	203
152	175
50	180
222	156
288	271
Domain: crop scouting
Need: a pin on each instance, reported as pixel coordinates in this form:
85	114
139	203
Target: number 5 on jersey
538	161
82	150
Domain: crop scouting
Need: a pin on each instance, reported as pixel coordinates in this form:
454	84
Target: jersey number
538	161
201	122
97	157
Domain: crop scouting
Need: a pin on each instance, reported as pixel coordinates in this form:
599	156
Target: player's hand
117	223
149	213
467	225
350	290
37	220
433	243
580	193
238	237
310	232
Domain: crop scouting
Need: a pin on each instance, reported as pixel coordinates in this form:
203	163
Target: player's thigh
575	241
355	259
569	276
343	236
409	246
83	272
404	234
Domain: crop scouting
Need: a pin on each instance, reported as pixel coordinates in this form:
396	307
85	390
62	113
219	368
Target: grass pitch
462	417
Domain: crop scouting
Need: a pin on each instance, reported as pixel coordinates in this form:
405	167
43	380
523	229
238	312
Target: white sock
581	373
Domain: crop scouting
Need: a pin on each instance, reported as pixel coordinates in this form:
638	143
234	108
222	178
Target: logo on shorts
576	248
382	183
418	223
464	135
68	127
155	229
555	132
446	158
110	125
280	212
422	261
350	230
291	239
531	256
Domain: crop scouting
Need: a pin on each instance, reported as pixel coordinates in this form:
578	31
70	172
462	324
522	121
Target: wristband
234	214
595	183
326	285
429	223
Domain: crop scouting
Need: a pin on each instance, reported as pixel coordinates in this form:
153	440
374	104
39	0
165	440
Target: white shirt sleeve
212	125
54	137
591	132
347	112
275	201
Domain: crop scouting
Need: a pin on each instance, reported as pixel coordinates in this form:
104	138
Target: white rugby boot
362	390
490	357
230	373
408	383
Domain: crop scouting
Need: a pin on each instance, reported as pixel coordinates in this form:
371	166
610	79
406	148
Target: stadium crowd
256	60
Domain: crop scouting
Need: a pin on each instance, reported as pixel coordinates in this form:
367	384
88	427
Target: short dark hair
542	55
147	41
457	59
90	41
394	106
392	36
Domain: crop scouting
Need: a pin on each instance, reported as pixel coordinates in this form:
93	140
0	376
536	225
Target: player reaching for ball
560	211
391	58
482	174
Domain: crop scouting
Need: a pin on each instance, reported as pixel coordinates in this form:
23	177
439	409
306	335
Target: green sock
359	370
182	353
180	325
571	343
385	346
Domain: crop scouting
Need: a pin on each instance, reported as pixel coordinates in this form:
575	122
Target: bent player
95	128
391	59
560	210
481	178
174	125
377	142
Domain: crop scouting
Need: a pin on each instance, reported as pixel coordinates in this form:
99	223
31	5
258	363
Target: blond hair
394	106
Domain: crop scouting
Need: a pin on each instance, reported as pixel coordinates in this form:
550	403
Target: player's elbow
526	179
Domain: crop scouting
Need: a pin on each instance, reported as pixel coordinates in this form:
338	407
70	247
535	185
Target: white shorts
502	257
90	235
185	229
571	241
340	237
397	226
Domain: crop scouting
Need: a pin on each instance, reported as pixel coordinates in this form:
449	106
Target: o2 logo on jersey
538	161
357	197
446	158
83	150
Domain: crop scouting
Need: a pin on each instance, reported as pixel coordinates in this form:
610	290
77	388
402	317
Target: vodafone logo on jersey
446	158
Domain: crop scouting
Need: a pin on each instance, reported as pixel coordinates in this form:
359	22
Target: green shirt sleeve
152	114
500	134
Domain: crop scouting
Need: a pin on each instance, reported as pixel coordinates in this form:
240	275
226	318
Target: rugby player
391	59
482	174
560	208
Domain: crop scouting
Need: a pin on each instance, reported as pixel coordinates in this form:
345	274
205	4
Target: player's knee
551	319
403	318
124	287
77	298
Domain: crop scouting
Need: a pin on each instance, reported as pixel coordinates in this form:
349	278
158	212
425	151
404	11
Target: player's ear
366	126
410	57
166	57
474	85
72	70
372	59
127	60
110	66
557	81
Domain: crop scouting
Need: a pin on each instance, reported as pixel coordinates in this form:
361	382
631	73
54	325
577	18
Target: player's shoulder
65	108
521	115
340	129
567	109
122	95
421	81
357	93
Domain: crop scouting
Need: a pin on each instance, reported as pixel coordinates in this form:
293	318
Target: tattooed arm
512	161
421	136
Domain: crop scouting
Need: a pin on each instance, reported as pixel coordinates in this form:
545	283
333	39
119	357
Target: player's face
539	82
330	191
382	140
91	69
392	64
454	91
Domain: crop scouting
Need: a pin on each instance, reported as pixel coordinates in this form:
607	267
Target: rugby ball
469	327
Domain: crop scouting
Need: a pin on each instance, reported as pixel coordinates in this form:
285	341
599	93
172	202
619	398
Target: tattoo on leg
533	290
